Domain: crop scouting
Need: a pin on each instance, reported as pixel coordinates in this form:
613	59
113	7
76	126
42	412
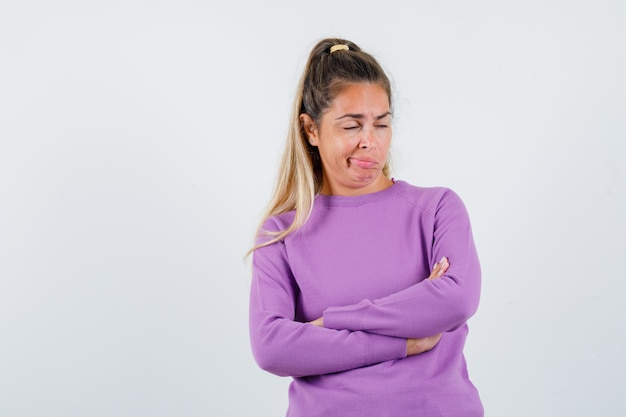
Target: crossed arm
283	346
372	331
415	346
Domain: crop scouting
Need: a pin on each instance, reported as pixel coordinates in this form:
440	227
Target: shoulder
278	222
429	199
273	225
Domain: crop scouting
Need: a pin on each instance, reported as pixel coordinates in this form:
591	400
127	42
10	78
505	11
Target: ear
309	127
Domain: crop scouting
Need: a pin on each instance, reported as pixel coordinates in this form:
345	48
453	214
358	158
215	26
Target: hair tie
336	48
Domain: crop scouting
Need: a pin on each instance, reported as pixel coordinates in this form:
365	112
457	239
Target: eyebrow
361	116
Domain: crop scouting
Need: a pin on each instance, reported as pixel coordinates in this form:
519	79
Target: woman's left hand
439	269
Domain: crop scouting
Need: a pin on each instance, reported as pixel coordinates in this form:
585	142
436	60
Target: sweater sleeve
286	347
430	306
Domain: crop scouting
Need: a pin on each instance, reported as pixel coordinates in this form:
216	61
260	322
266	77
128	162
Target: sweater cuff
346	317
379	348
383	348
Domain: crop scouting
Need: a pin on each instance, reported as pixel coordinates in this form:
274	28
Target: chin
369	176
364	180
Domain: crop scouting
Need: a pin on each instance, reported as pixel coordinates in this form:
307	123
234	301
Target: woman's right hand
417	346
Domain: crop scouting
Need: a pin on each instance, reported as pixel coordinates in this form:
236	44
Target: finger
435	271
442	267
444	264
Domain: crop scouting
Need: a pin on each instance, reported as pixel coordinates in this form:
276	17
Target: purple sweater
362	263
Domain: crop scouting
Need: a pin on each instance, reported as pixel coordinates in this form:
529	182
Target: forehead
362	98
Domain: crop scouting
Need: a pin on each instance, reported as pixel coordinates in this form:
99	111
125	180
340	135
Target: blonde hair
333	63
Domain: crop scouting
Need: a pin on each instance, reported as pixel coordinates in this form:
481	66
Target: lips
363	162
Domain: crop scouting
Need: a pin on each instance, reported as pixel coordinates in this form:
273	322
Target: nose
367	139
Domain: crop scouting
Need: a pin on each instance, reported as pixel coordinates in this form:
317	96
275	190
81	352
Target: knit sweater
361	262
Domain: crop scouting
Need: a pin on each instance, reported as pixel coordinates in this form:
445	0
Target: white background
138	147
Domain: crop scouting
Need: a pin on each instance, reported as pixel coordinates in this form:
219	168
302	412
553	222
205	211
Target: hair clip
336	48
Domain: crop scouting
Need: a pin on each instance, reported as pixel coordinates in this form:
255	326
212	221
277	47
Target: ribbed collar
359	200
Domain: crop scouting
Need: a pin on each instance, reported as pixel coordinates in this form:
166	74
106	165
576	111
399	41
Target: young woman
362	285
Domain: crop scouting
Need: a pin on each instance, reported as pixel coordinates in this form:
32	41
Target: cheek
339	152
339	146
384	140
385	135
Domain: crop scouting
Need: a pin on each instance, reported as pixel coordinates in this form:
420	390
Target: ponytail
332	65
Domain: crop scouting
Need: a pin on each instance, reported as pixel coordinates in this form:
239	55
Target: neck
380	184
